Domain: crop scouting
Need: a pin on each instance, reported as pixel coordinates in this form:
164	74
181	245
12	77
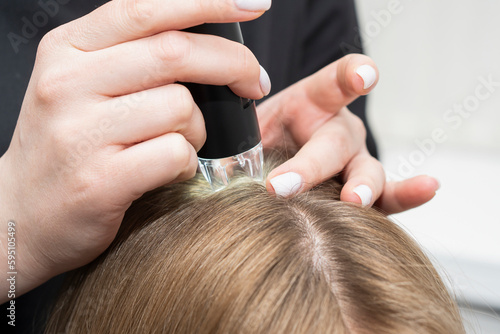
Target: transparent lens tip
219	172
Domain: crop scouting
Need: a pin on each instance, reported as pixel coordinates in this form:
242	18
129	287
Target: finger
149	114
123	20
153	163
303	107
174	56
273	116
404	195
322	157
364	180
340	83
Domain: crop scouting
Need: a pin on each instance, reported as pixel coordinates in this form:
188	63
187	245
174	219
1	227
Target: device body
233	142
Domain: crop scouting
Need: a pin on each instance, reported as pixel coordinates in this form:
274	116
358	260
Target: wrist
16	263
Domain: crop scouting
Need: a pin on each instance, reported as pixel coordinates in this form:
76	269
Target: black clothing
292	40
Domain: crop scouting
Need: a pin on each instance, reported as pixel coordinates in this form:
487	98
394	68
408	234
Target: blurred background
436	111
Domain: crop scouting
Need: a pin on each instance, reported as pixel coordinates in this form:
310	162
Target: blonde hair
187	260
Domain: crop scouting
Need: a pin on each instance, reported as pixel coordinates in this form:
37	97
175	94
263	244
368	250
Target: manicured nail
365	194
287	184
253	5
368	74
265	81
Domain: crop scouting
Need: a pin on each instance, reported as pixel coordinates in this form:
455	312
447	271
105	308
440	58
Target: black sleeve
294	39
330	25
23	23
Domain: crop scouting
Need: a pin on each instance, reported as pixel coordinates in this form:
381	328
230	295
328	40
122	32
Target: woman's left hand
312	116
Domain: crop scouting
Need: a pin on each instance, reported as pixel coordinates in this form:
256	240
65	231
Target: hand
103	122
312	115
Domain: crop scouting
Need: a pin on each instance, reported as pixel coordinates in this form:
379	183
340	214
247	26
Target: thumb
408	194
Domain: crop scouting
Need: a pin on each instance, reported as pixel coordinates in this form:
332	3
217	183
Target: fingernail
364	193
287	184
368	74
253	5
265	81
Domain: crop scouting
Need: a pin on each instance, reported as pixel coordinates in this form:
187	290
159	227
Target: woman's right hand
103	121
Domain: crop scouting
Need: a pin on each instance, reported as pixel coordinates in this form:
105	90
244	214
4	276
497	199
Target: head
187	260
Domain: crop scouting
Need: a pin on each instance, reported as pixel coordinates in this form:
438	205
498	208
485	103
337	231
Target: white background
431	55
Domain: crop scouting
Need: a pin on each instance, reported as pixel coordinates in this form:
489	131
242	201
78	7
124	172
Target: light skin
103	121
312	115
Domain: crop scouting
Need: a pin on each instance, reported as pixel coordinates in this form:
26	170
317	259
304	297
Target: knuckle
181	104
172	47
180	152
216	9
201	133
51	82
47	43
247	63
137	15
190	171
88	182
202	6
54	41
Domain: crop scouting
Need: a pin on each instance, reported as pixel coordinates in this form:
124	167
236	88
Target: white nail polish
287	184
364	193
368	74
265	81
253	5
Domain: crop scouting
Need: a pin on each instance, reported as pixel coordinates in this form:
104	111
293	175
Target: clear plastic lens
219	172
